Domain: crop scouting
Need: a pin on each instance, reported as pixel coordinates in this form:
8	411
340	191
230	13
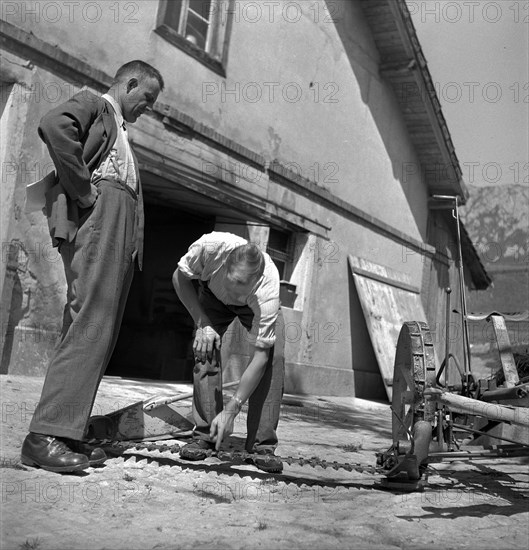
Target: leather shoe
199	449
266	460
95	455
50	453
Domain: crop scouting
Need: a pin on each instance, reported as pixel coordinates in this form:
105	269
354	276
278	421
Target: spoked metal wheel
414	371
413	416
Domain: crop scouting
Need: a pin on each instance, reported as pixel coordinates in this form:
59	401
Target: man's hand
221	427
207	339
88	200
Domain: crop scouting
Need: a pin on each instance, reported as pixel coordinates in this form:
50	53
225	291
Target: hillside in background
497	220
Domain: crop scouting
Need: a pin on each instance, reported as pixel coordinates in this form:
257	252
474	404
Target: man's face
139	96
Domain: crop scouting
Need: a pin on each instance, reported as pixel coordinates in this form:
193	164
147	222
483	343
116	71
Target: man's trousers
265	402
99	267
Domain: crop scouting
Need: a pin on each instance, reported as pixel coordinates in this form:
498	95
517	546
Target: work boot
197	450
265	460
51	453
95	455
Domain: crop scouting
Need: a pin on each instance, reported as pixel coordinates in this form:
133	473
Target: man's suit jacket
79	135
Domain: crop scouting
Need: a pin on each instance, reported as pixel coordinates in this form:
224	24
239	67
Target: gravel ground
143	500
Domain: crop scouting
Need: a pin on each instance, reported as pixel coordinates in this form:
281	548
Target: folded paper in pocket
36	193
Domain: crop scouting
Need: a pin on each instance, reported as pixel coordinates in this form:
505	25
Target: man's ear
131	84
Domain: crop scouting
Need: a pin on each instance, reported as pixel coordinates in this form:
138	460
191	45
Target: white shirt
119	163
206	260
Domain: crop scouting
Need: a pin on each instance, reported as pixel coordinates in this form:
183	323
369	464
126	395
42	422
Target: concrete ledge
32	348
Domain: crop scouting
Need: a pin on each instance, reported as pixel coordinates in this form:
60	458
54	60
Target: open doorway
156	333
155	339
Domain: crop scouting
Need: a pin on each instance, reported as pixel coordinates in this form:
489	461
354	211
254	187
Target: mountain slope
497	220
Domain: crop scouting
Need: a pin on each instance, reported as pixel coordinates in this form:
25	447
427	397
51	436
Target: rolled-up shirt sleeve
192	263
265	306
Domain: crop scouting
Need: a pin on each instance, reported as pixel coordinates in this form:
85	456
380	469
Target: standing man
235	279
95	217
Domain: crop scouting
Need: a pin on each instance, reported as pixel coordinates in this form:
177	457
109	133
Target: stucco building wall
322	111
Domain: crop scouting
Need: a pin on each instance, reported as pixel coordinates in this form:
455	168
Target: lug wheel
413	372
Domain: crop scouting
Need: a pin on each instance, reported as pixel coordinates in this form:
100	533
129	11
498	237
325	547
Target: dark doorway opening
156	332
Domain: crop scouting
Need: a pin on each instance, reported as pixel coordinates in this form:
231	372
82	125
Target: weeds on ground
352	447
30	544
11	463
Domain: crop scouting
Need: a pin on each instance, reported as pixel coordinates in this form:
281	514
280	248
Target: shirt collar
117	109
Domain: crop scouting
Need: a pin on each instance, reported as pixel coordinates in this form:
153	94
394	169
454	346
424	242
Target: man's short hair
141	70
249	257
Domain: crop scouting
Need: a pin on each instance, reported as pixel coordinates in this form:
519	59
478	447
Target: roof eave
404	66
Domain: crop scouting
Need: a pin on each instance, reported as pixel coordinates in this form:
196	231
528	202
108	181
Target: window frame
174	37
285	256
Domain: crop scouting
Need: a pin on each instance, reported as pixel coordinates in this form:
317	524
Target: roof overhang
403	65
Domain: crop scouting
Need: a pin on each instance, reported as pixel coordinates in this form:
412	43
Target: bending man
235	279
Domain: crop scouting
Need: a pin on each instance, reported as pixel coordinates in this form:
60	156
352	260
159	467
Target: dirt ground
144	500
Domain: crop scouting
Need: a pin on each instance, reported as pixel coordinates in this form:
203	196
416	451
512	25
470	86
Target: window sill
200	55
